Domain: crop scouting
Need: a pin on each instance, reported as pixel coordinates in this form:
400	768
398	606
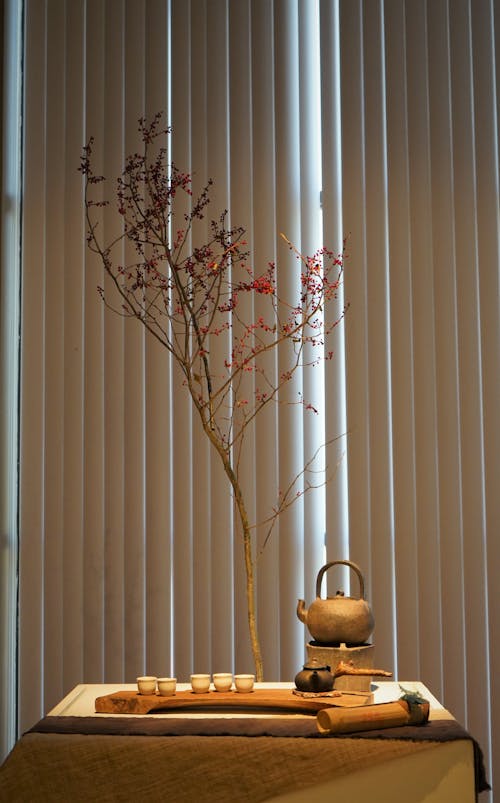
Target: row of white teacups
200	684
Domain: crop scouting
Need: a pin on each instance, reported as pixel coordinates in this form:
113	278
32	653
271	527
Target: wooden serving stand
131	702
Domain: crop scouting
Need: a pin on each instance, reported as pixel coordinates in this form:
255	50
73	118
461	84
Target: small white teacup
244	683
166	686
223	681
146	684
200	683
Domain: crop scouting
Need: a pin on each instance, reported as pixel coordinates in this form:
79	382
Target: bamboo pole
371	717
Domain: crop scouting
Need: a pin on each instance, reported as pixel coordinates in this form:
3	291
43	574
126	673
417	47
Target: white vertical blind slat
133	387
10	172
264	250
380	569
201	454
444	289
31	513
468	345
158	444
113	346
336	536
487	182
73	240
182	495
54	409
353	213
93	432
310	241
426	484
290	423
402	333
241	204
225	541
468	357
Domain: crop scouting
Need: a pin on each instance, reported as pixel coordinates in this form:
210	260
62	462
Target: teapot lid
315	663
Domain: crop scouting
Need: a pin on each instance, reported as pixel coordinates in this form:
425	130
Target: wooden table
241	769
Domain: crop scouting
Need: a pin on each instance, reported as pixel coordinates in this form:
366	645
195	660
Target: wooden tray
131	702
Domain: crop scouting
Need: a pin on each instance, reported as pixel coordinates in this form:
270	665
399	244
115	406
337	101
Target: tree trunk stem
247	547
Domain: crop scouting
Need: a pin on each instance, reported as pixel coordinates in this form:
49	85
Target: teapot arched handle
351	565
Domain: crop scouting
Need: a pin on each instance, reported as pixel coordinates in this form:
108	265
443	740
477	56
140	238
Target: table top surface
79	702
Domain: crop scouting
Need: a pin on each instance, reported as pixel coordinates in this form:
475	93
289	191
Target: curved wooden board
131	702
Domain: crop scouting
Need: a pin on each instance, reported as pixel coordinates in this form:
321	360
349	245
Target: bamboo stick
371	717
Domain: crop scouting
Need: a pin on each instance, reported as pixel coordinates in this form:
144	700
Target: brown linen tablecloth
112	759
56	768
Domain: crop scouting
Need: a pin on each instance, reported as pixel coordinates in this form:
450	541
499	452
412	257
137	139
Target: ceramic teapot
314	677
338	619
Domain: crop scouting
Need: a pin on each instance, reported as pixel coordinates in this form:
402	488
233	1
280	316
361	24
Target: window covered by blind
386	113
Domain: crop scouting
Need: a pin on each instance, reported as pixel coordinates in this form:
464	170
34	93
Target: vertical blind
10	171
371	120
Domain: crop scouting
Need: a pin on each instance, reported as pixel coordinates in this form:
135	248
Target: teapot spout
302	611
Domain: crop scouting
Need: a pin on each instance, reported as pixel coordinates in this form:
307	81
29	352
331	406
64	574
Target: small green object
411	697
